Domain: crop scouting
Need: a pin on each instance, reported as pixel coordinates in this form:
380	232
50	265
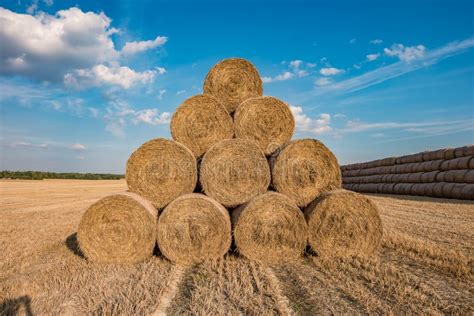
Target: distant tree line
40	175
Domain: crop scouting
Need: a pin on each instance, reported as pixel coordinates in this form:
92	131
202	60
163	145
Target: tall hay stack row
231	172
443	173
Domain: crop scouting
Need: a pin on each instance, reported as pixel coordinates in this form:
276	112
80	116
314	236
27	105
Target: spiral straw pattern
233	81
119	228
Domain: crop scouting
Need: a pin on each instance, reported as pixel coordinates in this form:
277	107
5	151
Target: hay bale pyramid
230	176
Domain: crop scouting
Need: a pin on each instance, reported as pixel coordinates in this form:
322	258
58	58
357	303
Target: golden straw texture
233	171
304	169
270	228
266	120
343	223
194	228
161	170
233	81
200	122
119	228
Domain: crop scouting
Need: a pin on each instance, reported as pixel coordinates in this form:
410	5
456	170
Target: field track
425	265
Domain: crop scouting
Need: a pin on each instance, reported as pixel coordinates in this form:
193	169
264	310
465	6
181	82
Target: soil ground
425	265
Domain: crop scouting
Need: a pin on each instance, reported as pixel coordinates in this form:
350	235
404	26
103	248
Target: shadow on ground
16	306
73	245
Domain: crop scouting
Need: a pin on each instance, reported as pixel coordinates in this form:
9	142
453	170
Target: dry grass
424	266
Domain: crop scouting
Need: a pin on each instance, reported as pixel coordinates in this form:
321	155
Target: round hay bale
438	189
266	120
447	189
304	169
343	223
233	81
414	177
462	163
233	171
194	228
161	170
467	192
459	152
270	228
468	150
456	192
469	176
428	190
428	177
200	122
119	228
449	153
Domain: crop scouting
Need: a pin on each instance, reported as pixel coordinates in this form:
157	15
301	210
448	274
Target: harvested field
425	264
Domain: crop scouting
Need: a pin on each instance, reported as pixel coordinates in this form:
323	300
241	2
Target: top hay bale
161	170
233	171
266	120
200	122
304	169
233	81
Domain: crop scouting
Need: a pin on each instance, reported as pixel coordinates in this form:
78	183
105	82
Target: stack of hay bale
443	173
231	170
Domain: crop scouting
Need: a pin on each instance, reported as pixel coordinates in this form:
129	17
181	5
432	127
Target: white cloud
47	46
119	113
406	54
376	41
295	70
358	126
322	81
161	94
305	123
296	63
160	70
131	48
353	41
394	70
78	147
330	71
29	145
33	7
152	117
281	77
179	92
109	75
372	57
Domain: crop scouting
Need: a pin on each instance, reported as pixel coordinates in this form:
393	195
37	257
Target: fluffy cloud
305	123
131	48
78	147
405	53
71	43
29	145
376	41
372	57
46	46
100	75
119	114
296	70
330	71
152	117
322	82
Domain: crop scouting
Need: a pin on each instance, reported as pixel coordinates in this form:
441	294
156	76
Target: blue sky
84	83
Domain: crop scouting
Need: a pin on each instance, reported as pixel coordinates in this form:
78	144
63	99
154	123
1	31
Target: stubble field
425	265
